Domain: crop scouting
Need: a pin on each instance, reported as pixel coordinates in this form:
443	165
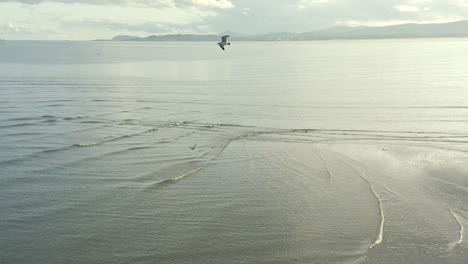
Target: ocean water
306	152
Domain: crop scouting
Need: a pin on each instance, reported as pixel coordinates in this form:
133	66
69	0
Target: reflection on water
307	152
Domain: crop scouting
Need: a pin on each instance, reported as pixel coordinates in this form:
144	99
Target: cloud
224	4
147	28
311	3
220	4
102	18
463	3
407	8
14	28
308	15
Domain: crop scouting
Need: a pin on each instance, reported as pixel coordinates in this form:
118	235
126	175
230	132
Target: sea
340	151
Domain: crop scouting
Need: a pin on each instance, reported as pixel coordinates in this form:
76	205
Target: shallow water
307	152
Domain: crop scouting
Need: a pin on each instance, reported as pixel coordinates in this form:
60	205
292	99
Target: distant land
442	30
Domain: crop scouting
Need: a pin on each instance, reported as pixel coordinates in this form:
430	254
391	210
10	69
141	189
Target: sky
104	19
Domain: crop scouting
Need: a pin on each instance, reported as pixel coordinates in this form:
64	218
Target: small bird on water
223	41
192	148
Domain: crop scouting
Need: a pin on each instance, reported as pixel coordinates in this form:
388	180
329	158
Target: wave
374	135
300	170
29	134
90	158
123	151
123	111
50	121
455	185
184	175
129	135
330	174
67	147
380	234
295	159
462	228
23	119
115	138
382	216
18	125
75	117
117	152
92	122
90	144
245	159
96	143
193	171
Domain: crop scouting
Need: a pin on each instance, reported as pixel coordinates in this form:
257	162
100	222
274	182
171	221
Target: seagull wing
222	46
192	148
224	38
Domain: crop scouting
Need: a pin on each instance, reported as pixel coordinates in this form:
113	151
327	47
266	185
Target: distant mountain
442	30
233	34
454	29
124	38
273	37
179	37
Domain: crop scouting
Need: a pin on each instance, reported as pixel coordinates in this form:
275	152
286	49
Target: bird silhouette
224	41
192	148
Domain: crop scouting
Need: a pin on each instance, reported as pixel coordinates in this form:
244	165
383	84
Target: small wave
458	186
330	174
129	135
18	125
382	216
462	228
73	118
295	159
123	151
22	134
92	122
50	121
23	119
233	125
89	144
57	149
115	138
59	100
246	159
184	175
221	151
292	167
11	161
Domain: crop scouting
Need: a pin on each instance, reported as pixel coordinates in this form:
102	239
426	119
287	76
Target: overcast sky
93	19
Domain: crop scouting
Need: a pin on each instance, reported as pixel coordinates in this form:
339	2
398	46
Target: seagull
223	41
192	148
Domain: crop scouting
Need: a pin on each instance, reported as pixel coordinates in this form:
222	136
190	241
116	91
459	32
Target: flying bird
223	41
192	148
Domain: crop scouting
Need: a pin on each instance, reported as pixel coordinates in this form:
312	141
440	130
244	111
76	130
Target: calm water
307	152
